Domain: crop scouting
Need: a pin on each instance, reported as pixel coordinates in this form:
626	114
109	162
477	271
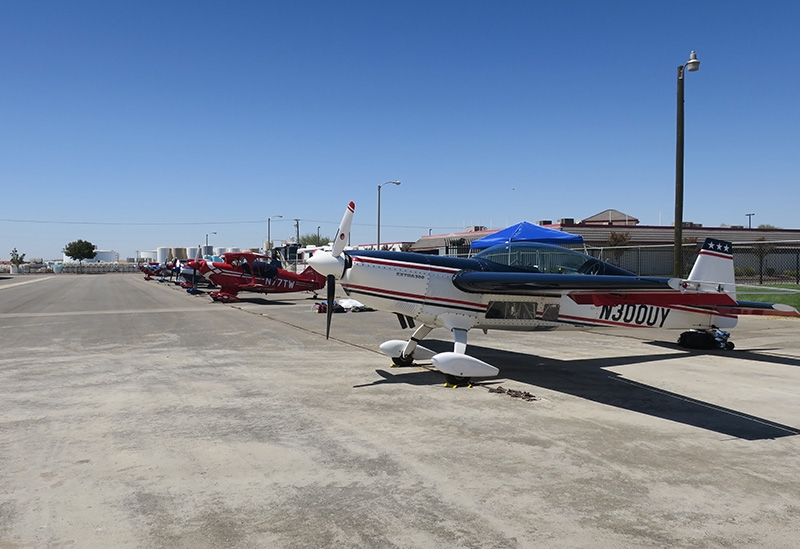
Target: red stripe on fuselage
418	297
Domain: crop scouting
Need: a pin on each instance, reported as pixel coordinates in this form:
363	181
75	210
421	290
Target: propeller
330	285
194	268
343	233
194	265
331	264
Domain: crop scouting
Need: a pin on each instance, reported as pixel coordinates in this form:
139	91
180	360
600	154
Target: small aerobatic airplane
252	272
161	270
530	286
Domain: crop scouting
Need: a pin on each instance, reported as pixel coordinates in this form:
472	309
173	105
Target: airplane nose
193	265
327	265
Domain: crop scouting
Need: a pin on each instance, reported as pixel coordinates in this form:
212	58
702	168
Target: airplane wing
595	290
601	290
247	256
527	283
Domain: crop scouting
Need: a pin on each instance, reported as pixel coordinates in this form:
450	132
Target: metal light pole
215	232
677	257
269	232
750	220
378	245
318	235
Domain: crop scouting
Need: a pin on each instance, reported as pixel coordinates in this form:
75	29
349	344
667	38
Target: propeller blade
330	283
343	234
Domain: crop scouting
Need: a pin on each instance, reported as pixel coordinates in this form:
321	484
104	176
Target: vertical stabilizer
715	264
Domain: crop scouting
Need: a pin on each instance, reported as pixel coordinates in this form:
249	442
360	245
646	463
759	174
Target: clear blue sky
117	118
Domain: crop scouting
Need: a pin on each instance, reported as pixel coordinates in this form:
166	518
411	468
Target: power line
173	223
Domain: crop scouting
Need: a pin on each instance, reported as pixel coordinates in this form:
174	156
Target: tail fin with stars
715	264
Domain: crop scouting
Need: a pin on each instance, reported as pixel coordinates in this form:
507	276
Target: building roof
610	217
598	235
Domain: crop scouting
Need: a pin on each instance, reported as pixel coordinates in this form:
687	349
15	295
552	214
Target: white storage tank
106	256
162	254
207	250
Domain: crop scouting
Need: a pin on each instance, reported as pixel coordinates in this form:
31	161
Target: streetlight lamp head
692	64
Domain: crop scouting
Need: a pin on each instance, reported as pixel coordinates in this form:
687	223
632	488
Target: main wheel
457	381
403	360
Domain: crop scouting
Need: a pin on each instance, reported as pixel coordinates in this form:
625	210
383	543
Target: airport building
597	232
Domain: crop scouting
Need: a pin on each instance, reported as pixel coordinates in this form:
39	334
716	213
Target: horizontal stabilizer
766	309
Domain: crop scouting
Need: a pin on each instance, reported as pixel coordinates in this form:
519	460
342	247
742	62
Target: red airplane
252	272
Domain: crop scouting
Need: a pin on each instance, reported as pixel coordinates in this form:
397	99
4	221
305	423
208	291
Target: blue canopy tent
525	231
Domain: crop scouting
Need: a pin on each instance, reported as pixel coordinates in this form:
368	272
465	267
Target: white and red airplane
530	286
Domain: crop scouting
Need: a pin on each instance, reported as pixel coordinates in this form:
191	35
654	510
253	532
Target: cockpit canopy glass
538	257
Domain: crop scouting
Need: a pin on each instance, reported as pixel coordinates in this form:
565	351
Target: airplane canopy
525	231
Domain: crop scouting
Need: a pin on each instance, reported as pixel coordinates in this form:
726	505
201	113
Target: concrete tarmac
134	415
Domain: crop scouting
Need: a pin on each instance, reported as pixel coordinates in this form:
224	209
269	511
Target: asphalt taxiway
135	415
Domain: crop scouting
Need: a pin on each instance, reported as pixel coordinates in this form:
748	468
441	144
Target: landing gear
402	360
456	381
706	339
457	367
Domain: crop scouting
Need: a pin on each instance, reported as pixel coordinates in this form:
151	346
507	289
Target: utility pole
677	257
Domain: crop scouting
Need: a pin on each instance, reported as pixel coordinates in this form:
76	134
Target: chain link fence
75	268
774	262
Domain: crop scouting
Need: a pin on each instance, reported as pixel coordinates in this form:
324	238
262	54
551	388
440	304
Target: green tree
80	250
767	226
17	259
311	239
618	240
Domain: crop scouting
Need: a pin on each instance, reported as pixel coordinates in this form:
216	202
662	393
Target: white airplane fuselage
425	291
